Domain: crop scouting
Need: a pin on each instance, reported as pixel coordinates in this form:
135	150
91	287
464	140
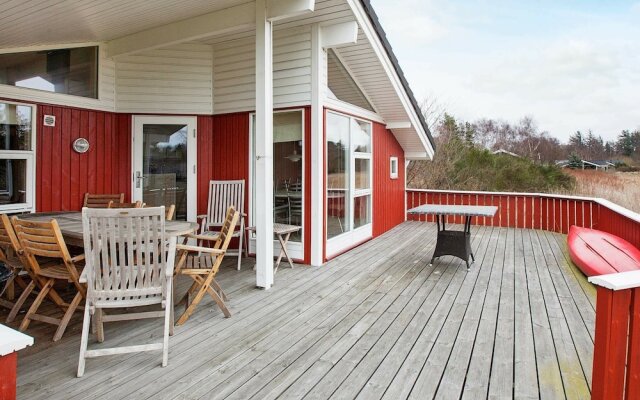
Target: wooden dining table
71	225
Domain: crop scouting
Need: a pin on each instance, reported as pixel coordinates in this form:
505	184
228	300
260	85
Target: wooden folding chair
115	204
129	263
43	241
222	195
202	263
101	200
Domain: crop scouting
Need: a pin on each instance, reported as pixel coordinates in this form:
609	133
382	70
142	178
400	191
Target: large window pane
361	136
361	211
362	173
288	162
338	193
68	71
348	174
165	166
15	127
13	181
287	170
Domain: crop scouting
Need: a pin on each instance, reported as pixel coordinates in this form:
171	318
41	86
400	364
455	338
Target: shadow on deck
377	322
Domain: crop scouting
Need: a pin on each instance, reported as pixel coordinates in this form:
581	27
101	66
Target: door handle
139	179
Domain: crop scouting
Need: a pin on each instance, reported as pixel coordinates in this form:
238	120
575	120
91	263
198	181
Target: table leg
283	250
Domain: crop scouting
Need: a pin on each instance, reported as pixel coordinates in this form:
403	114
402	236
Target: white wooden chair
222	195
129	263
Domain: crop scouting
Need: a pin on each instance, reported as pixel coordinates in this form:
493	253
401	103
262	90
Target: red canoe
599	253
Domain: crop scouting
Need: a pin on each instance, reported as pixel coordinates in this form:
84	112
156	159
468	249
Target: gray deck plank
476	384
548	368
376	322
525	372
455	371
501	370
452	336
571	370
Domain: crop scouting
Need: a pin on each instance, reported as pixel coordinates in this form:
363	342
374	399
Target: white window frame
352	236
103	103
30	157
393	167
295	249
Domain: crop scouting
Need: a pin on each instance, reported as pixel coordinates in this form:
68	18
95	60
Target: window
348	174
288	169
17	171
341	84
67	71
393	166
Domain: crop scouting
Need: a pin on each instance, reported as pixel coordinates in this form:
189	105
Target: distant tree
575	161
625	144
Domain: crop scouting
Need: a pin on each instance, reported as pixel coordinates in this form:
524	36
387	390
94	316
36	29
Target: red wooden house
290	95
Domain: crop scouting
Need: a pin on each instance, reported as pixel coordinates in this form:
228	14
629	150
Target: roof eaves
373	17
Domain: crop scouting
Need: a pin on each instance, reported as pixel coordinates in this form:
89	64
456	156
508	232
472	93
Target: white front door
164	163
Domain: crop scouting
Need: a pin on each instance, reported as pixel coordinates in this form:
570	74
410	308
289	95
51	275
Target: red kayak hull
600	253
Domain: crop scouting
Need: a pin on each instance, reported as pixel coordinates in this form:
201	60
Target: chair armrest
198	249
78	258
201	216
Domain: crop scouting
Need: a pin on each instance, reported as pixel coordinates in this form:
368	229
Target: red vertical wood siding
8	367
388	194
64	176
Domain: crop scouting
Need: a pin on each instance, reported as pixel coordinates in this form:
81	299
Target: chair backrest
222	195
126	253
44	239
225	235
226	231
101	200
115	204
10	249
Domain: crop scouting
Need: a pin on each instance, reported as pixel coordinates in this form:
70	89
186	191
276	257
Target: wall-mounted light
81	145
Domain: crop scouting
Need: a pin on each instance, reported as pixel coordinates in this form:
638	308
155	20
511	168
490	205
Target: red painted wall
64	176
388	194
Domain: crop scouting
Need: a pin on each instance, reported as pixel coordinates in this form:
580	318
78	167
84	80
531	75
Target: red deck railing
616	361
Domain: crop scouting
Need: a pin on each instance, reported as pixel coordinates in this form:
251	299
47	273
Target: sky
570	64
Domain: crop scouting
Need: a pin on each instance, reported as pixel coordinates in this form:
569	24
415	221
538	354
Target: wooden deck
378	322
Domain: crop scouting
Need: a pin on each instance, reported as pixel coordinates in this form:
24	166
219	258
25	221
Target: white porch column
264	147
317	145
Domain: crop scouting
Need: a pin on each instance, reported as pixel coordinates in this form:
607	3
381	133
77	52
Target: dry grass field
622	188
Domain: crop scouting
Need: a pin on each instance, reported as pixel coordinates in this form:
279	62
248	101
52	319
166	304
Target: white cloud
574	71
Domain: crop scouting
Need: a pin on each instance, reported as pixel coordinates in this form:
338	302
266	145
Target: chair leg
84	340
36	304
240	246
168	325
10	287
216	297
99	331
218	289
191	308
20	302
67	316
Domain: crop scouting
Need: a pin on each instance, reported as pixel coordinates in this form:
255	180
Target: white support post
264	147
317	146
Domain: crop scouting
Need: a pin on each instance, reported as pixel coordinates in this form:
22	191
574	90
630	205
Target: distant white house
506	152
